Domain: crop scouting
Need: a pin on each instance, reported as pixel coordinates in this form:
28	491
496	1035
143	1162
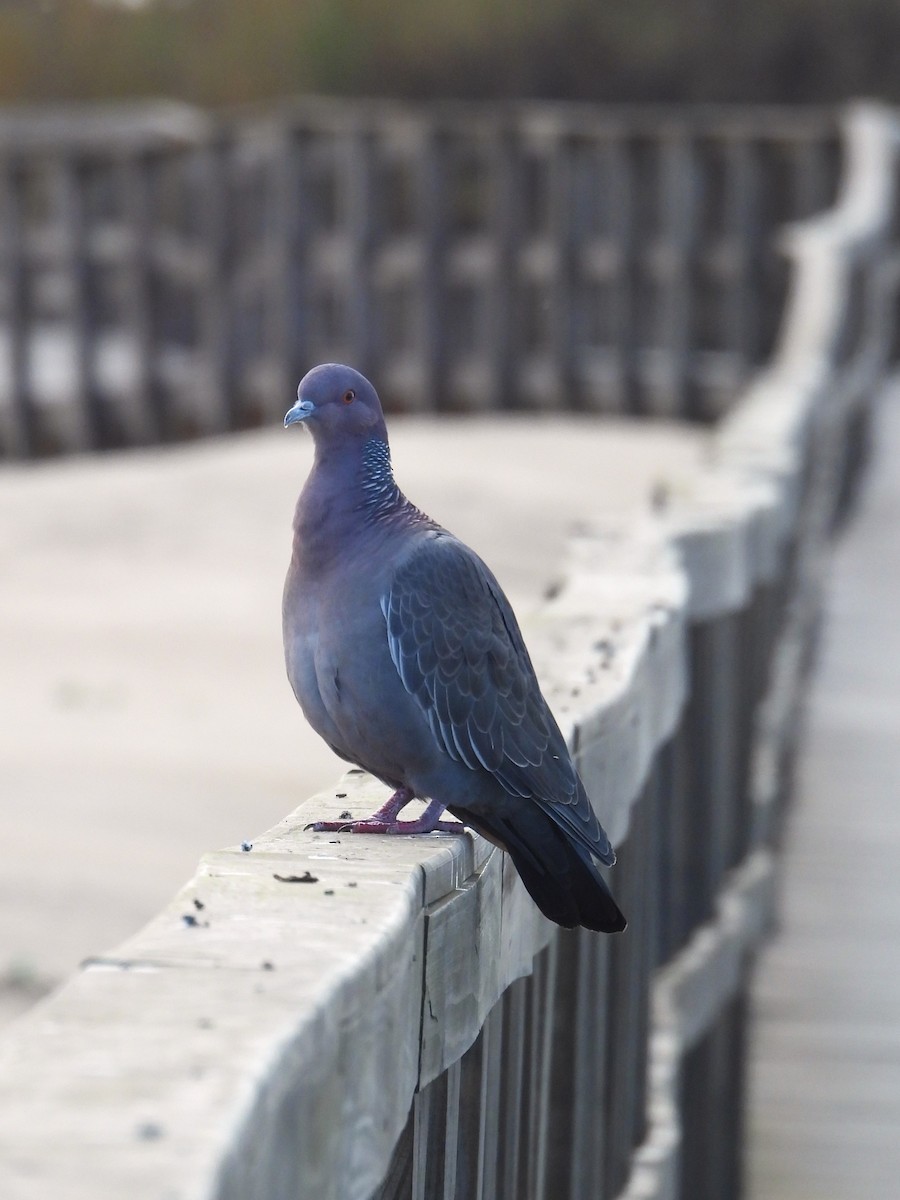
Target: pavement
144	714
824	1114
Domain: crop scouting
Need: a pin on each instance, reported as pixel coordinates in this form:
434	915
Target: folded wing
457	647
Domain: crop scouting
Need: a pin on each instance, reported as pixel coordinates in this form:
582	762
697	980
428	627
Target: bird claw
385	820
371	825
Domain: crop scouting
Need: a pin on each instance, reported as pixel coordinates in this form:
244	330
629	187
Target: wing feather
458	650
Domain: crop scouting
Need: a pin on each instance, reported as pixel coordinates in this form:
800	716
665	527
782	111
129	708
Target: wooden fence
427	1034
166	274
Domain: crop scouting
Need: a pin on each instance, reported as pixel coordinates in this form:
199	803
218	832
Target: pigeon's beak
301	410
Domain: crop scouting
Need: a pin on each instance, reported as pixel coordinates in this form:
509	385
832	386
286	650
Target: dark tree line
232	51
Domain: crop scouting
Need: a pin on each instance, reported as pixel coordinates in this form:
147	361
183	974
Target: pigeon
406	657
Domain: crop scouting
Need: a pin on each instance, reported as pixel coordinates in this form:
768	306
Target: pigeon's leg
385	820
391	809
429	822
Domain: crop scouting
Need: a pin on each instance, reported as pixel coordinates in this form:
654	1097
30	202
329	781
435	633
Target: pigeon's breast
379	724
300	656
340	668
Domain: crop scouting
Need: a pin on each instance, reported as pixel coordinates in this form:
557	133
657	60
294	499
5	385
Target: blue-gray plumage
407	658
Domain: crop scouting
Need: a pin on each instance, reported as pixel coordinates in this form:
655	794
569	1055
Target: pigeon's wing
457	647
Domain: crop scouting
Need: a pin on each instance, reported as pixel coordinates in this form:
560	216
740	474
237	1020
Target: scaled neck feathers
381	498
349	493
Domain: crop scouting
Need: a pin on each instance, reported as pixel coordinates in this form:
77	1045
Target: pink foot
385	820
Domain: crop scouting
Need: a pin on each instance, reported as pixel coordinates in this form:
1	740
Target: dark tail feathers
561	877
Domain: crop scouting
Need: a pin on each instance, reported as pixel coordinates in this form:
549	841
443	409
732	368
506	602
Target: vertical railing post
505	226
674	282
588	1149
489	1124
561	288
219	402
86	427
289	234
451	1133
361	224
513	1100
628	998
540	1052
743	297
809	178
22	435
137	172
431	318
622	234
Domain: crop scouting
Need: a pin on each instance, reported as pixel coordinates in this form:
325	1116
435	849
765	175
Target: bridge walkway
824	1118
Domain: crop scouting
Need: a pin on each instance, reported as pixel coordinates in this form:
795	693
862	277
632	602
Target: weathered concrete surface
825	1095
144	715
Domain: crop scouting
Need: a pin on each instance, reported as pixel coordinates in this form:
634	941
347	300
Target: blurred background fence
166	274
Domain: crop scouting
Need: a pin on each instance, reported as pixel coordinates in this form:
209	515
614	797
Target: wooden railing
411	1027
166	274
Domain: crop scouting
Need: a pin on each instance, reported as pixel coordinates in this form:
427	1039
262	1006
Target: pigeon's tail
560	876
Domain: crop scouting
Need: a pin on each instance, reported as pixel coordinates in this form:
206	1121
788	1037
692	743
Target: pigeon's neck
379	497
380	500
350	492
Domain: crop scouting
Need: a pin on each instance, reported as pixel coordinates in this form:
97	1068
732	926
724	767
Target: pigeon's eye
349	396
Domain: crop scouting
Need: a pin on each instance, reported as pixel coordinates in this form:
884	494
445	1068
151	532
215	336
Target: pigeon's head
337	403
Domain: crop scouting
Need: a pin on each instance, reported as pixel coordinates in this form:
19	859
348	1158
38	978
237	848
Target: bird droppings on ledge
266	965
199	905
352	883
149	1131
606	649
329	892
660	496
191	921
306	877
340	795
246	846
